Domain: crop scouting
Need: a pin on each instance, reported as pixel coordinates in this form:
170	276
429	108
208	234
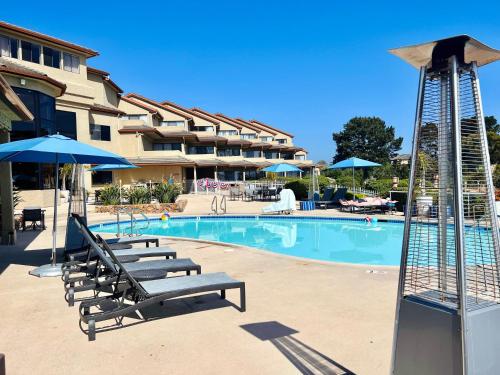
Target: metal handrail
223	204
214	203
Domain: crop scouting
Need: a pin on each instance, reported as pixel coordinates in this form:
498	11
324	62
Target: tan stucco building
66	95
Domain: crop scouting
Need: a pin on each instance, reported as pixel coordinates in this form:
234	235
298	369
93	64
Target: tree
367	138
493	134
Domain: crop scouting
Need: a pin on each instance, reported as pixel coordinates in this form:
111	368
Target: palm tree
64	172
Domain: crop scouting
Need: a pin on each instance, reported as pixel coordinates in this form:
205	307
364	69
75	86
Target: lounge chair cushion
190	284
169	265
147	252
127	240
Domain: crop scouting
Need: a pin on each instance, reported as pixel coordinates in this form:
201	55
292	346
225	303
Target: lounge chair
326	200
34	215
134	295
99	277
286	204
340	194
79	260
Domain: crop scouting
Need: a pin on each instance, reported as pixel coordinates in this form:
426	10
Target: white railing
357	190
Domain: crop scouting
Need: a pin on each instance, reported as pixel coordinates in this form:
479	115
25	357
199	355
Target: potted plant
424	201
64	172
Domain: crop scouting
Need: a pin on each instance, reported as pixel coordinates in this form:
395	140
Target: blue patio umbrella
282	167
112	167
353	163
55	149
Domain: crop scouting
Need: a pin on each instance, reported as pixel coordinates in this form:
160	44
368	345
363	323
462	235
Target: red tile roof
141	105
105	78
105	109
256	125
157	104
270	127
171	104
36	35
11	68
238	123
215	117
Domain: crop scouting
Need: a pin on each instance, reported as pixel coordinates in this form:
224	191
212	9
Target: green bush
350	196
299	188
138	195
166	193
384	185
496	177
110	195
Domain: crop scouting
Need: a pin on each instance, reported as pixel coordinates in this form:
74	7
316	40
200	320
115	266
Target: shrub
166	193
110	195
16	196
350	196
299	188
496	176
138	195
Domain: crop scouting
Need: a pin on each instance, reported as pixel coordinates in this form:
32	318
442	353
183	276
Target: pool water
332	239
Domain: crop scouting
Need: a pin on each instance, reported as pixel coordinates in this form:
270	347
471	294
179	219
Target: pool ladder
133	224
215	206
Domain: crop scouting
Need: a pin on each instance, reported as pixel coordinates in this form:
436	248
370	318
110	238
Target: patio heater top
434	55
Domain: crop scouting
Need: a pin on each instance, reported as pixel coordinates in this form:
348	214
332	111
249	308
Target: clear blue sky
306	66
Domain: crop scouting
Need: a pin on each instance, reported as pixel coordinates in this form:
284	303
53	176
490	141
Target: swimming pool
331	239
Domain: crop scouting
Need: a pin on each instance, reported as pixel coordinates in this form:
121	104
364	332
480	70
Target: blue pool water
338	240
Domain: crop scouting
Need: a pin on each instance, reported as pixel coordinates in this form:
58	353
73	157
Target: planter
152	208
424	203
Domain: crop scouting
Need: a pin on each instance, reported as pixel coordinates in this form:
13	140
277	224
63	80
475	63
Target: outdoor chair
235	193
250	192
33	215
326	200
340	193
81	259
133	295
286	204
99	277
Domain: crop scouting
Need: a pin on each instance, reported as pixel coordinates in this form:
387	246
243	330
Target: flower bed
152	208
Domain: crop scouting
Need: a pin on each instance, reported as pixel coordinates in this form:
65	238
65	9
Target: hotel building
65	95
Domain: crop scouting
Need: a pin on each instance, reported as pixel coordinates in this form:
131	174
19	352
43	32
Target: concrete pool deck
301	314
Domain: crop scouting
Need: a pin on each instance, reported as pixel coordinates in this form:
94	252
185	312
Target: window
100	132
225	133
248	136
51	57
251	154
287	155
71	63
271	155
266	139
102	177
282	141
29	176
30	51
8	46
201	128
172	123
66	123
300	157
167	147
228	151
194	150
135	117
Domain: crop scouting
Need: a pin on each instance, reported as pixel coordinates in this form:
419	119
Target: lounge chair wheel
71	297
91	328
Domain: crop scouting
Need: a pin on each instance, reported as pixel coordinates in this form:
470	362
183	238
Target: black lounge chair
100	277
78	260
134	295
33	215
326	200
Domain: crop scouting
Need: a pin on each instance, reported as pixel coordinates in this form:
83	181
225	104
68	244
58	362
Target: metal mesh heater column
77	205
448	312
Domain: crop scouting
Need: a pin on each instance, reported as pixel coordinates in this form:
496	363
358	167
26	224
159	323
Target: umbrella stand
52	269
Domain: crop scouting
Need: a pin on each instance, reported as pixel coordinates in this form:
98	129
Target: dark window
51	57
29	176
31	52
228	151
251	154
8	46
66	124
167	147
102	177
193	150
100	132
71	63
287	155
282	141
270	154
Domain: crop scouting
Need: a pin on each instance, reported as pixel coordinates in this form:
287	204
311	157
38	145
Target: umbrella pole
353	180
54	227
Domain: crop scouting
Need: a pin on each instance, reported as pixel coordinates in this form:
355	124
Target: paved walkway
323	317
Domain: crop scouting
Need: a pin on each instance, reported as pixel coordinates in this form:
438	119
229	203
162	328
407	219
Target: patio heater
448	309
77	205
